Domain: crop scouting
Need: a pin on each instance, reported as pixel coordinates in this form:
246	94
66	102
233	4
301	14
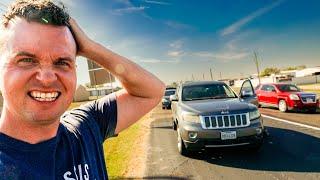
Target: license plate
228	135
309	100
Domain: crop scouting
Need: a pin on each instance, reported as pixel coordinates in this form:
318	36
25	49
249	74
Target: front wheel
181	147
282	105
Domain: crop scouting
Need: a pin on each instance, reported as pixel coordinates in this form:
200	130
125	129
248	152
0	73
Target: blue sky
175	39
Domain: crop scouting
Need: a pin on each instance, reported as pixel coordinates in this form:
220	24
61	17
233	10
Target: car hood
216	106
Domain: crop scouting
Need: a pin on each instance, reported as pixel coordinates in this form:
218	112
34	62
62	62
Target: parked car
210	114
286	97
166	103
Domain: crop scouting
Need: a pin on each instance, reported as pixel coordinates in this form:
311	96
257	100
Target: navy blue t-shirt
76	153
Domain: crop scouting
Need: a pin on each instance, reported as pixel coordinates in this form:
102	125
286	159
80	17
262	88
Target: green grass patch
76	104
119	150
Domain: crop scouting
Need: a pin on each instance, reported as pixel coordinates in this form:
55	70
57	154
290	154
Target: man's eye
62	63
26	61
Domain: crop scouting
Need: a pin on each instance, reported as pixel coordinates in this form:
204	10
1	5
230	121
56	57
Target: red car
286	97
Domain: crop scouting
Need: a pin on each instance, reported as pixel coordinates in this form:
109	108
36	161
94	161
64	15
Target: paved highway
289	152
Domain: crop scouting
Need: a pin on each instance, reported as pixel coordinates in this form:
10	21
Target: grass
76	104
119	150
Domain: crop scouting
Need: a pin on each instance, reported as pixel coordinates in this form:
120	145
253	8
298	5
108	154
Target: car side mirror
173	98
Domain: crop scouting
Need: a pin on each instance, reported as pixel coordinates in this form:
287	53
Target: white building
308	72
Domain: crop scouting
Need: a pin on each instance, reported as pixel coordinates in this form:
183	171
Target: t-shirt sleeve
101	112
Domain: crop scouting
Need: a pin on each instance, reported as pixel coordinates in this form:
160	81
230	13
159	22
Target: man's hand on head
142	90
82	40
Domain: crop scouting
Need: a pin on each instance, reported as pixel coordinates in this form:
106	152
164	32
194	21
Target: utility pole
220	75
110	78
203	76
211	74
192	77
255	59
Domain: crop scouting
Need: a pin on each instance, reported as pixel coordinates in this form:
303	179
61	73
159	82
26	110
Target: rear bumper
250	135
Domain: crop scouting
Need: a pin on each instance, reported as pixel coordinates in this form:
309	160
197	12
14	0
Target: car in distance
210	114
166	103
286	97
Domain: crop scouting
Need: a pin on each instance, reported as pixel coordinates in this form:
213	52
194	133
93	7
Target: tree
174	84
295	68
270	70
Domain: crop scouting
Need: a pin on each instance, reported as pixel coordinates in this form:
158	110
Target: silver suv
210	114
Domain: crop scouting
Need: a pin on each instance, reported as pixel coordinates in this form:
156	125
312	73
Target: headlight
254	114
191	117
294	97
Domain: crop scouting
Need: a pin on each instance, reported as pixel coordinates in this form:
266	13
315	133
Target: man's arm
142	90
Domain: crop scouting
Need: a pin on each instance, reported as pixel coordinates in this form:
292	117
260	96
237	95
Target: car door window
247	89
271	89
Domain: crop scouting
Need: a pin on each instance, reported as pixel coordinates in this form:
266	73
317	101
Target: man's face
38	76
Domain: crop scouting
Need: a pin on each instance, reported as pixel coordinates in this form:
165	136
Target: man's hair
41	11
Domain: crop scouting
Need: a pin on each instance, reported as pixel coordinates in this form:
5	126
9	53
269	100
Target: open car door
248	94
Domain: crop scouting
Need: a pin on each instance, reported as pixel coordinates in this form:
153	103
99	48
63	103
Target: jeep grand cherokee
210	114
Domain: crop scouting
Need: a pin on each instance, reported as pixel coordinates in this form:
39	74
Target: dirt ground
137	164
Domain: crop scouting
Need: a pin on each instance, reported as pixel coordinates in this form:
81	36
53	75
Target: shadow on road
150	177
283	150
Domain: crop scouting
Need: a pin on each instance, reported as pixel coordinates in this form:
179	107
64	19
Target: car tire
282	105
174	126
181	146
163	107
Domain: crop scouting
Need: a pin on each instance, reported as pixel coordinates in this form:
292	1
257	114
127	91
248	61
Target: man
38	47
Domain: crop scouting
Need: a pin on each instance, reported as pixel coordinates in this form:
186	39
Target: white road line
290	122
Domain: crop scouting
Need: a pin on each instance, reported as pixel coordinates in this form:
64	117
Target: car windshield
169	92
288	88
211	91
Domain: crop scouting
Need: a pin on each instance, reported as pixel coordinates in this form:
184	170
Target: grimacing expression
38	74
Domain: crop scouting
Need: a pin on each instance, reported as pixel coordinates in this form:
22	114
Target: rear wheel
282	105
181	147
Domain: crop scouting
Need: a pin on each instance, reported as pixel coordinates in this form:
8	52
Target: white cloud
157	2
237	25
125	2
176	53
128	10
153	60
224	56
177	25
176	44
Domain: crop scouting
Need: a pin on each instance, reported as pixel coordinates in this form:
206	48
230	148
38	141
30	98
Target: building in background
81	94
102	82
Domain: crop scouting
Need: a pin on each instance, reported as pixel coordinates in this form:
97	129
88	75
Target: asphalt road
289	152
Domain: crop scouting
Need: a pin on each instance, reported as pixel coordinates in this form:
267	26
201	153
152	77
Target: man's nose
46	75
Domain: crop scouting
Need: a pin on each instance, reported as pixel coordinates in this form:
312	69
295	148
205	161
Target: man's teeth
41	96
